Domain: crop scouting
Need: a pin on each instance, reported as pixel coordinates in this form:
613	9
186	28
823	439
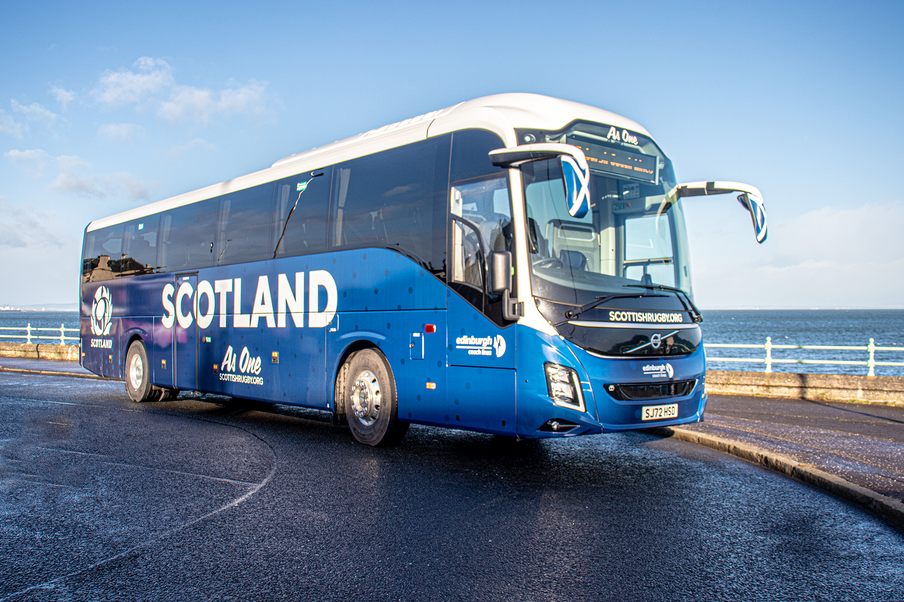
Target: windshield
627	237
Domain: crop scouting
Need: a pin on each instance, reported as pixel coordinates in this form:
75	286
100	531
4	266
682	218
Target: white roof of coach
500	113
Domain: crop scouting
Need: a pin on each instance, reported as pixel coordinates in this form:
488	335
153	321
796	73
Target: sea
833	327
823	327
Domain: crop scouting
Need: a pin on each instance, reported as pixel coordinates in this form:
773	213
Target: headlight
564	386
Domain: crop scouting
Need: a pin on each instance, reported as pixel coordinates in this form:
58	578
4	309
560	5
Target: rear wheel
138	374
371	405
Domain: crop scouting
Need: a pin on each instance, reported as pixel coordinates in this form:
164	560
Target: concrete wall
40	351
822	387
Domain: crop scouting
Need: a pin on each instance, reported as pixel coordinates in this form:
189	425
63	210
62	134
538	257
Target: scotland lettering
213	300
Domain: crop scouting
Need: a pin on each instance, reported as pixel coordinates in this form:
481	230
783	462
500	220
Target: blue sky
105	106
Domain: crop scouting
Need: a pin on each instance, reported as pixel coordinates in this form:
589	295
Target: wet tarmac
218	499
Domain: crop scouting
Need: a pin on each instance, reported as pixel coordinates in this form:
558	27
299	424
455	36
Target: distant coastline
47	308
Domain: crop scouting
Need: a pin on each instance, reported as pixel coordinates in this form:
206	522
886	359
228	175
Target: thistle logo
499	345
101	313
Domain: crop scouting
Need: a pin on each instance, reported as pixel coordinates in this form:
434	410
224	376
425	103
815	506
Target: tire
138	375
371	405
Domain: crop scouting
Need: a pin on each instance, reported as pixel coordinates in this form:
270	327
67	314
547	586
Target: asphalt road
104	499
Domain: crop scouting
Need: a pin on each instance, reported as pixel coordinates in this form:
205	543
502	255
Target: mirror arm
750	198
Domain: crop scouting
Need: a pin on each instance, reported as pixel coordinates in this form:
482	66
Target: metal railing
768	360
61	337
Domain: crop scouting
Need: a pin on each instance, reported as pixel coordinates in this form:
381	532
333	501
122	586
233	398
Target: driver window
486	226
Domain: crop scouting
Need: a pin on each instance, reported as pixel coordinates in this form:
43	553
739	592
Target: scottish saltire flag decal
757	213
577	190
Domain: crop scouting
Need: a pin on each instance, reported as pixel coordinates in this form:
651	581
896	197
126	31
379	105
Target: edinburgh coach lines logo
101	313
659	370
482	345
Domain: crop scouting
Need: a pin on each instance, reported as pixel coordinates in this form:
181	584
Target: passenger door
185	332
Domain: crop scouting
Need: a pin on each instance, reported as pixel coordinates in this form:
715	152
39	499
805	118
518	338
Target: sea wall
821	387
40	351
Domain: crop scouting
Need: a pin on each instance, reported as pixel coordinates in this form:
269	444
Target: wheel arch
131	337
340	373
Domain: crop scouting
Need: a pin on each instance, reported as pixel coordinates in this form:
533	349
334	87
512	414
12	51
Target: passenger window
395	200
139	246
102	253
307	199
243	226
186	237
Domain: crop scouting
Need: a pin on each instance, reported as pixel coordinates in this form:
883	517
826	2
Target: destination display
617	162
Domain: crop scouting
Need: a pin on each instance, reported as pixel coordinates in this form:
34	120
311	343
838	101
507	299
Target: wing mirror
500	281
750	198
575	173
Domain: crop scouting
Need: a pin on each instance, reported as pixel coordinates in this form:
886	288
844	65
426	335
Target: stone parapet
40	351
819	387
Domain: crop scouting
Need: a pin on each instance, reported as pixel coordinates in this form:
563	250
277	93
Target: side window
102	253
470	154
486	226
243	226
186	237
301	209
395	200
481	217
139	246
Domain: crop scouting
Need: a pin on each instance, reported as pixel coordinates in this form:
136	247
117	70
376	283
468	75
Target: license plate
659	412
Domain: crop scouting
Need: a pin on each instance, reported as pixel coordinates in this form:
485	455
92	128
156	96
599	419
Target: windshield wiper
571	314
696	316
302	186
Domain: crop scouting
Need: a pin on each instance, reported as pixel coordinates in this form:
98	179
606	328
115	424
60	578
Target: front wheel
138	374
370	400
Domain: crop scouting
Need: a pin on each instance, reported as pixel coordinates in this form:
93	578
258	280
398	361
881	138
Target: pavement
853	451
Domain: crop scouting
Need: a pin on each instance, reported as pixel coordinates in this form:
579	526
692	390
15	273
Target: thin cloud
10	127
125	184
121	184
188	102
64	97
24	225
32	161
34	111
70	163
829	257
197	143
70	181
149	78
120	132
71	184
246	99
150	83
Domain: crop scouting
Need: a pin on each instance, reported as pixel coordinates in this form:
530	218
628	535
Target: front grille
679	388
